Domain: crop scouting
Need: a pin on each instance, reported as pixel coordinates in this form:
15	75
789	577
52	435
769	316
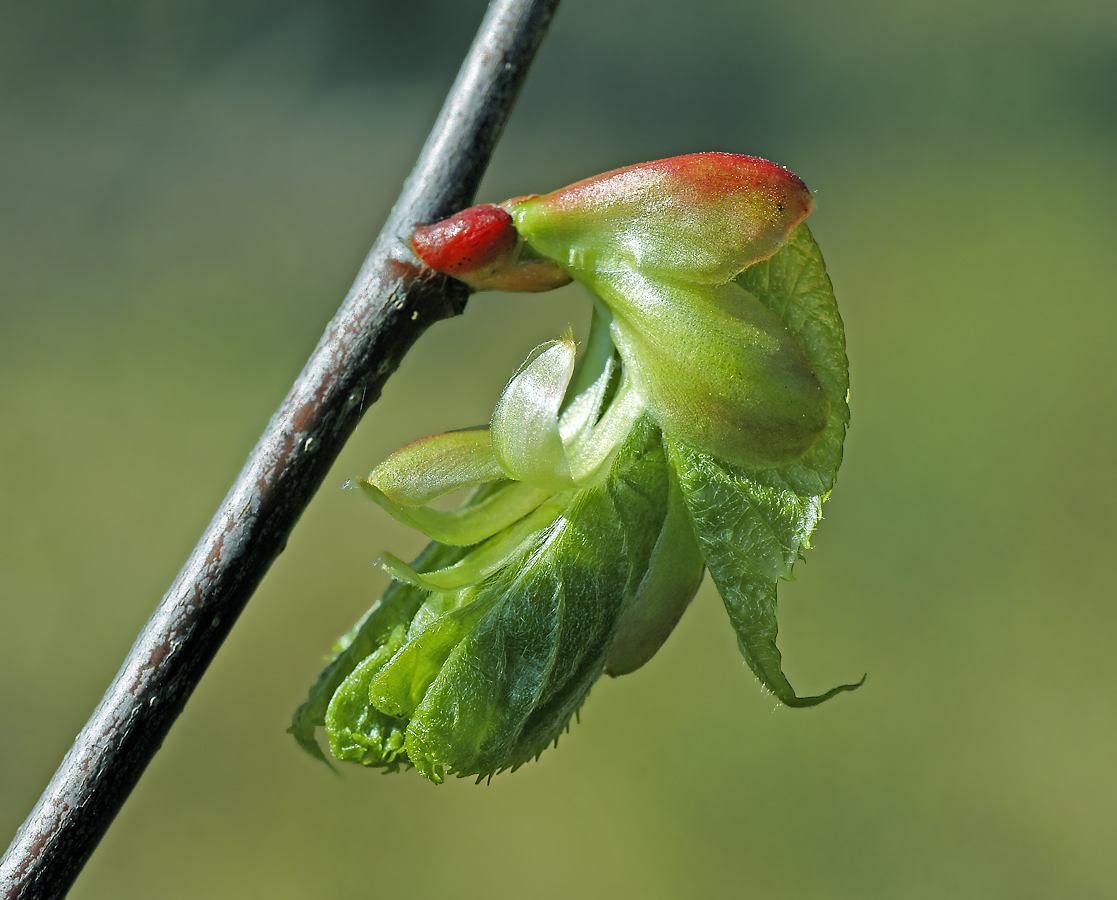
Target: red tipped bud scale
473	241
702	218
480	246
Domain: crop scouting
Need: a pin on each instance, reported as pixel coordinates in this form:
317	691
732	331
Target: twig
390	304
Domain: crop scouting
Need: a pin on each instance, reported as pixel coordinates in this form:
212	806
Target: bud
702	428
480	247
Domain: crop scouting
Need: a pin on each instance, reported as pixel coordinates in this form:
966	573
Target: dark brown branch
390	304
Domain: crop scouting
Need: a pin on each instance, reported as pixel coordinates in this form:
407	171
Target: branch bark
390	304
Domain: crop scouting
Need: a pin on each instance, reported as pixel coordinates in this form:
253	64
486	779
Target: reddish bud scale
703	217
692	181
480	246
474	240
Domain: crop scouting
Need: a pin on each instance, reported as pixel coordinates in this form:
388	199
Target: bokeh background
187	190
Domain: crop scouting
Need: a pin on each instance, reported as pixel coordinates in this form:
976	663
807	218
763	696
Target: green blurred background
187	190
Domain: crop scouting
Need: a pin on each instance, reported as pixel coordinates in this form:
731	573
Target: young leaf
717	368
509	688
486	558
703	428
375	629
794	285
433	467
488	675
474	521
673	577
358	732
526	439
751	524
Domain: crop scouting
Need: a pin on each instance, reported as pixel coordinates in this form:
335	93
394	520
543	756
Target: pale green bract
602	495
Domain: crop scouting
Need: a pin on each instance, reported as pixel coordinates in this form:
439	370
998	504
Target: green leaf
794	285
596	356
584	409
374	630
487	676
622	519
673	577
400	686
591	451
432	467
357	731
512	684
526	439
484	559
751	524
717	368
474	521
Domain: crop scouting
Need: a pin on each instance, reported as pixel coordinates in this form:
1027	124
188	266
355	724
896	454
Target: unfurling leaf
701	428
525	426
435	466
